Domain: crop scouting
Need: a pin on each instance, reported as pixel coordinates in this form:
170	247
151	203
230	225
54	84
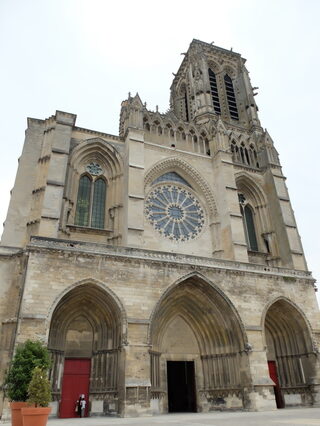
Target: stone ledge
52	244
87	230
10	251
54	183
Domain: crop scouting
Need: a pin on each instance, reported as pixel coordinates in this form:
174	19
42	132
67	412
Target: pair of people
81	405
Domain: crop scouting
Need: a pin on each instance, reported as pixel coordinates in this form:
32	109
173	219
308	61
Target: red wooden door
274	377
75	382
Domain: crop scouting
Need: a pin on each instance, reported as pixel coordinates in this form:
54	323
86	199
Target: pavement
285	417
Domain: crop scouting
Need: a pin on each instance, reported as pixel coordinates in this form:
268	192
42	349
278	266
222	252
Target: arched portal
85	340
290	354
195	323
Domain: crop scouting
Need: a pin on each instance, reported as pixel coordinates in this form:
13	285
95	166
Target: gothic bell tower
213	82
212	91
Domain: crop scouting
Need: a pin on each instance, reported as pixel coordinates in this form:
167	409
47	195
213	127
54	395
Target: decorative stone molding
130	254
205	281
175	213
221	393
295	306
97	149
176	163
102	286
98	134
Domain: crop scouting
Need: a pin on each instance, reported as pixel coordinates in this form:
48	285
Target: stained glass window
174	212
248	222
98	203
90	209
83	202
171	177
94	169
248	216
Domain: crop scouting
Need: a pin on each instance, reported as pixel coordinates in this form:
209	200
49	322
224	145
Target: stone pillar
134	182
137	392
137	381
258	395
233	242
315	380
288	238
315	389
250	104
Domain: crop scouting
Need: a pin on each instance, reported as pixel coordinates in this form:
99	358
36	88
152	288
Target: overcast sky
84	57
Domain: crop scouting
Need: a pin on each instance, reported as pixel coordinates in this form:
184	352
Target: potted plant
27	357
39	392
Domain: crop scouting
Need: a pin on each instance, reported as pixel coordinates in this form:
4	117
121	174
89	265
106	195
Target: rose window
94	169
174	212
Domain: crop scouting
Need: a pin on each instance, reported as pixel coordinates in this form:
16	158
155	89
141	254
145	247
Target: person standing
78	406
83	404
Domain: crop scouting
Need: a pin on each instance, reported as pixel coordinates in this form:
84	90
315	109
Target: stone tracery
174	212
187	172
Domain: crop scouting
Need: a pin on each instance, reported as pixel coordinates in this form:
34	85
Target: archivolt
97	303
250	188
230	70
289	341
187	172
212	317
214	66
98	149
285	321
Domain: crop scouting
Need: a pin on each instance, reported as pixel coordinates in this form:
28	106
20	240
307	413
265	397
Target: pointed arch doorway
181	387
85	342
197	343
290	354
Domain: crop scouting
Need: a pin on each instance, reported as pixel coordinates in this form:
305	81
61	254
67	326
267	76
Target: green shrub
29	355
39	389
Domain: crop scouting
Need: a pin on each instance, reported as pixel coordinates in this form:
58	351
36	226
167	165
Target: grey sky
84	57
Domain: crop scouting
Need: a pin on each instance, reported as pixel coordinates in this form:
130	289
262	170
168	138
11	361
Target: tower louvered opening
186	107
214	91
231	98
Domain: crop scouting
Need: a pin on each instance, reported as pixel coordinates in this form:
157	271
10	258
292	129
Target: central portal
181	386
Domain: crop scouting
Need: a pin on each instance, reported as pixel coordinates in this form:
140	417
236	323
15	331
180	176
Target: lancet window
231	98
186	109
90	209
183	105
248	223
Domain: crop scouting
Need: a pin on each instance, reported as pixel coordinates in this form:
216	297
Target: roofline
212	47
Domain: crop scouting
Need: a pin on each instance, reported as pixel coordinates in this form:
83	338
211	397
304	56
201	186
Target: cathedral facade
162	267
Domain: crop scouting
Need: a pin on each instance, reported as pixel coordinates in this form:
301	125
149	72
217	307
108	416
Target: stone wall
139	279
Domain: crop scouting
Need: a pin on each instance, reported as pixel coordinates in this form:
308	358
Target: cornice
42	244
207	48
6	251
97	133
213	47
